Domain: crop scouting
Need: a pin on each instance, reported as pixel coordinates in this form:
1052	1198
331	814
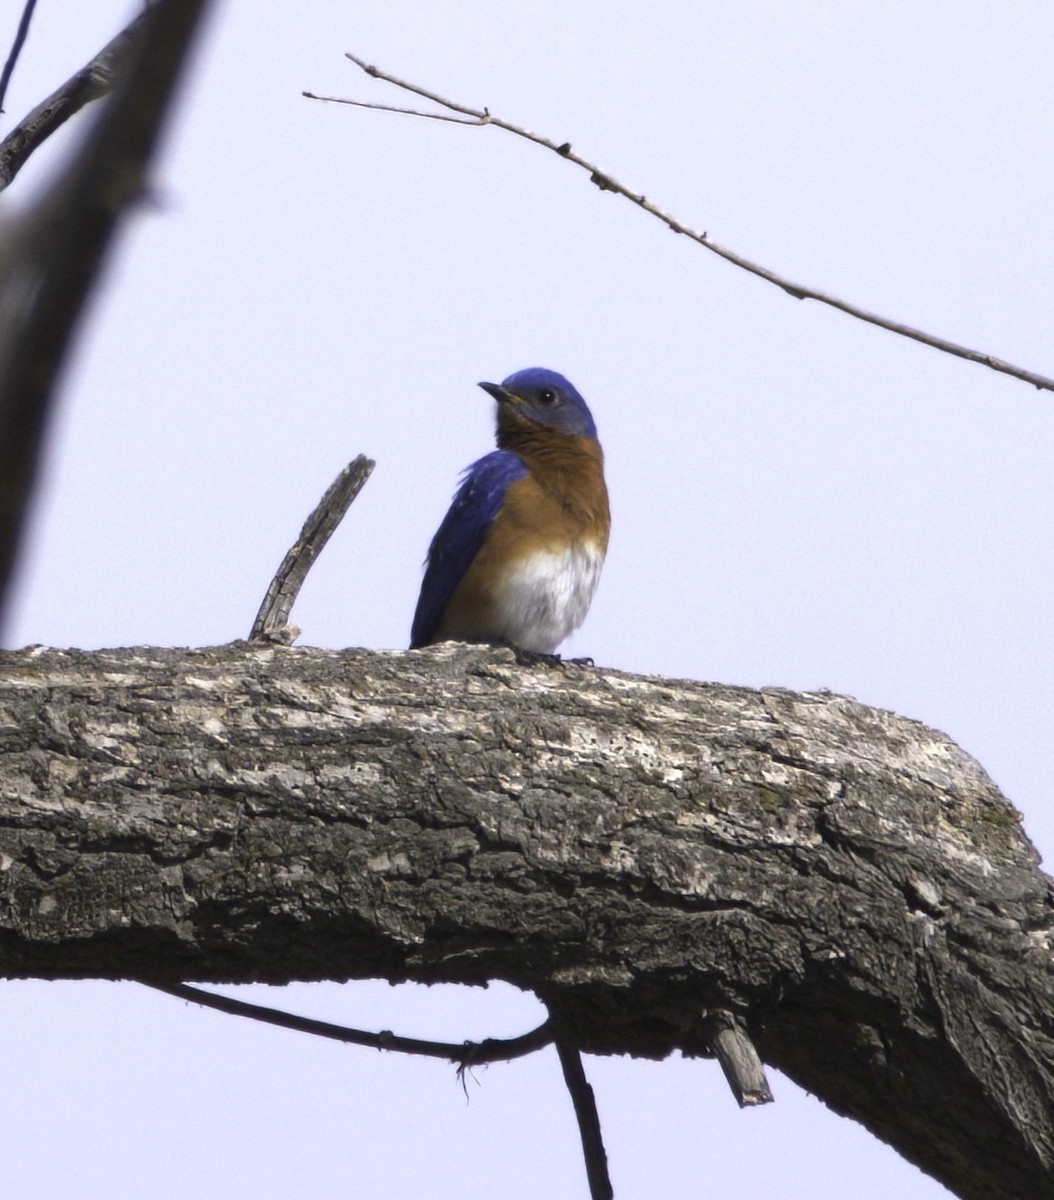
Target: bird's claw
534	658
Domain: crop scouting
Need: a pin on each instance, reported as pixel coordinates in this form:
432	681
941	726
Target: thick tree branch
848	886
53	255
481	117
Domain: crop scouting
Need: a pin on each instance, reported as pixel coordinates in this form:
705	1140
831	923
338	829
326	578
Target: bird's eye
548	397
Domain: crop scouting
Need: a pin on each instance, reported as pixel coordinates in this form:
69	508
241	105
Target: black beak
498	392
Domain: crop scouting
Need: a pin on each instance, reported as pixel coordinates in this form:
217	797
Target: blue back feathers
458	539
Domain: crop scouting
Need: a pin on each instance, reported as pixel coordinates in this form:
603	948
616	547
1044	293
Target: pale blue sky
798	499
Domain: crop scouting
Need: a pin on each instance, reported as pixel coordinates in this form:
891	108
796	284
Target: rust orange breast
532	581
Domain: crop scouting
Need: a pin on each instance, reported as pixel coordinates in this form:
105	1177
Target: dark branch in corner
90	83
464	1054
53	255
272	621
16	49
607	183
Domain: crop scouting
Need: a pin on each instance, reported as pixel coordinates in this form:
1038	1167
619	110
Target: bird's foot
535	658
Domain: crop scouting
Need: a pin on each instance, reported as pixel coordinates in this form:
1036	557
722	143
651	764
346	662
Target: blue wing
458	539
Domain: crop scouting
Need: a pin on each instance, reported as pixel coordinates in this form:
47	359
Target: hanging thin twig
465	1054
481	117
16	49
586	1114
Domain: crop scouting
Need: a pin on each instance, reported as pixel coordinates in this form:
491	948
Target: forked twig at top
607	183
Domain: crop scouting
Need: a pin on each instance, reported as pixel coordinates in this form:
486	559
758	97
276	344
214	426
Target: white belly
547	596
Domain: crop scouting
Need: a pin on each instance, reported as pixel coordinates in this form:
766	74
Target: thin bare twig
608	183
91	82
395	108
16	49
51	257
272	621
464	1054
586	1114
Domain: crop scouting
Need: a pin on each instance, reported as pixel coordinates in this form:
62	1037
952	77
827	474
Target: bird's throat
569	469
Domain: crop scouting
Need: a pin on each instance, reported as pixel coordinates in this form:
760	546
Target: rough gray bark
642	853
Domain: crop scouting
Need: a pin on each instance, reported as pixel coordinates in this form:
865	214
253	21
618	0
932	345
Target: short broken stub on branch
272	621
738	1058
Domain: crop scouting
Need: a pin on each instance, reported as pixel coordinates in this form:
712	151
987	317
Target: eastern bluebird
517	558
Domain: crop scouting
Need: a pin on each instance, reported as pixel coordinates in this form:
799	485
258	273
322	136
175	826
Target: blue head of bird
542	397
